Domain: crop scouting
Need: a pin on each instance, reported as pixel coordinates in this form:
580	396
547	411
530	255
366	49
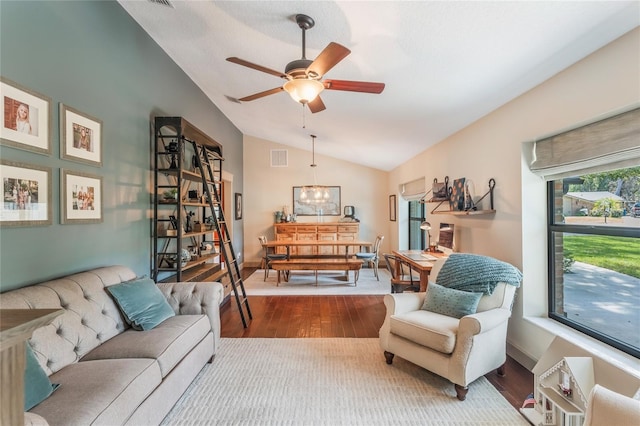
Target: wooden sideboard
337	231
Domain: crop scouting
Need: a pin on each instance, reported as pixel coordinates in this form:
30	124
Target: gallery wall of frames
27	188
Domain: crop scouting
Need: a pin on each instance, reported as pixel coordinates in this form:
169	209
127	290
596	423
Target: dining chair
371	257
268	255
405	279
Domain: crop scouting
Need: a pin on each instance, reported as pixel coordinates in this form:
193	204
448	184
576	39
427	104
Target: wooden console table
16	327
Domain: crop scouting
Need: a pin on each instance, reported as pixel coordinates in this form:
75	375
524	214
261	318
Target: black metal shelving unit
189	163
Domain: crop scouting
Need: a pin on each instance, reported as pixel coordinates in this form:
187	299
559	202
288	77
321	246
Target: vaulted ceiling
445	64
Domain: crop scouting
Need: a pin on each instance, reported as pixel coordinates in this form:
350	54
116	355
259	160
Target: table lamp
426	226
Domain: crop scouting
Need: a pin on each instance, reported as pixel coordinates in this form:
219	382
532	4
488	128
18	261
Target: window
416	217
594	255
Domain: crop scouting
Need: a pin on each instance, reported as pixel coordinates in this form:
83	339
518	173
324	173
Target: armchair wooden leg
501	370
461	392
388	357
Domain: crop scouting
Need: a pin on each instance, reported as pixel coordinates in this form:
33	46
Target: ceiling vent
279	158
162	3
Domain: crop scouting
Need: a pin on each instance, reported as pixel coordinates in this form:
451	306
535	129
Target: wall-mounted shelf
463	213
470	212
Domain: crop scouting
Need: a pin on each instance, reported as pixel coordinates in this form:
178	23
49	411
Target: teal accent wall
92	56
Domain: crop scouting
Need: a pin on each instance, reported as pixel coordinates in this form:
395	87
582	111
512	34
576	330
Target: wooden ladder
210	165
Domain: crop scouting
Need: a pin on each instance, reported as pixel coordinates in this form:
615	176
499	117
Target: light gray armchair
458	349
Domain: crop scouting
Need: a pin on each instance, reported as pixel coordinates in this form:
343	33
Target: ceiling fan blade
327	59
261	94
316	105
354	86
256	67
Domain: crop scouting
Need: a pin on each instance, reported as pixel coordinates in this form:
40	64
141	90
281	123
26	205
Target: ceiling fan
304	76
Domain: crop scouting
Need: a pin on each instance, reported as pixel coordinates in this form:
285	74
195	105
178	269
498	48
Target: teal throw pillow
141	302
37	386
450	302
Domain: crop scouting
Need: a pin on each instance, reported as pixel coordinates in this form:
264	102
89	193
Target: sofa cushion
429	329
102	392
169	342
37	386
141	302
450	302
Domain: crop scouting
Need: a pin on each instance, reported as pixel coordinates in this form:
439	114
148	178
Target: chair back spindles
400	281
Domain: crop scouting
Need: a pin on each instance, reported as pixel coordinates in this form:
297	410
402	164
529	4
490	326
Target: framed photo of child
26	118
80	137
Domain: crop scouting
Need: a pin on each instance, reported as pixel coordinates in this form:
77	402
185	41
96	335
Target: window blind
606	144
413	190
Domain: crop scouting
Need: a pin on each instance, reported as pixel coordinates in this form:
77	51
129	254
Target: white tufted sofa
110	374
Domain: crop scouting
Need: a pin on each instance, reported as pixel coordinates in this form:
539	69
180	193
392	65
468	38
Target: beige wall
493	147
267	189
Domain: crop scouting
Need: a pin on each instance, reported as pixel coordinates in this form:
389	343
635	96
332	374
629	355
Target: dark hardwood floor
340	316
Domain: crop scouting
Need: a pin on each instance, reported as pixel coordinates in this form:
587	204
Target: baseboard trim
520	357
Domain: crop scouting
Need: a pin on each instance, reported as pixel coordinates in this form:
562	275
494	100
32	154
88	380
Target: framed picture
27	194
81	198
80	137
392	208
238	206
26	118
330	206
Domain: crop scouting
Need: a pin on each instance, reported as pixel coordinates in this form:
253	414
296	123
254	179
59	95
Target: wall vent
162	3
279	158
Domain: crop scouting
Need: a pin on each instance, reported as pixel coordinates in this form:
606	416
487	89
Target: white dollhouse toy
566	373
562	391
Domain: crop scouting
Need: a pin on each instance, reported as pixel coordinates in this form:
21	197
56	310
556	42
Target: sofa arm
481	322
195	298
399	303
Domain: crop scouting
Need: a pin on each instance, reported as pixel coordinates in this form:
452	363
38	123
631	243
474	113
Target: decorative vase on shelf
185	256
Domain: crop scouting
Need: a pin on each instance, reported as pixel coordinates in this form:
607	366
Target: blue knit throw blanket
476	273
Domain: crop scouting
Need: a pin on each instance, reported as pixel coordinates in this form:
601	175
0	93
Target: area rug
329	381
302	283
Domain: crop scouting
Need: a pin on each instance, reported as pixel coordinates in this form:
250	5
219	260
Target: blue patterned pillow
450	302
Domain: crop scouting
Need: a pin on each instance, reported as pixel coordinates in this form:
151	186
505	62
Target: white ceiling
445	63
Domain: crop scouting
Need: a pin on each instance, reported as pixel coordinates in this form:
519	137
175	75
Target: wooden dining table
420	261
321	243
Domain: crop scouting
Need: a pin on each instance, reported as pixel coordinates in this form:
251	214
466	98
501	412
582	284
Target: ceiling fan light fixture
303	90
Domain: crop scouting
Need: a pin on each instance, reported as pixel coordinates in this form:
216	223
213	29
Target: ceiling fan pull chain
304	124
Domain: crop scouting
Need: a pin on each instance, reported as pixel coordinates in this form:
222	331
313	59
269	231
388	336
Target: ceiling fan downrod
305	23
297	67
